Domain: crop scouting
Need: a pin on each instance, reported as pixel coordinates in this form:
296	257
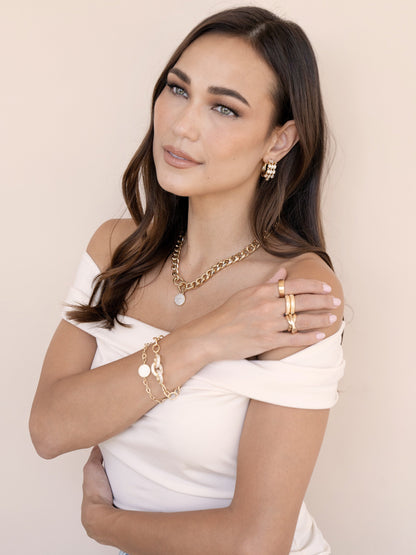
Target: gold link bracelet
156	369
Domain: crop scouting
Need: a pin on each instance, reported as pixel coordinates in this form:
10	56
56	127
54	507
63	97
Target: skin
231	148
235	315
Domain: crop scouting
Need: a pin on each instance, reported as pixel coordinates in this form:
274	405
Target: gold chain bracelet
156	369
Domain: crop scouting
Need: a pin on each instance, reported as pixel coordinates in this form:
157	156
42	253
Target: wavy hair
285	215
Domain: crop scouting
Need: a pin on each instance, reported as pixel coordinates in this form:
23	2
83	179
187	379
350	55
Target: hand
252	321
97	501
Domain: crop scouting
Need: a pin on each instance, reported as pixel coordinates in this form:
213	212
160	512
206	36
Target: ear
283	139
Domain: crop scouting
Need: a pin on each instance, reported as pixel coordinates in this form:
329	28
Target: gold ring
281	286
288	304
292	304
291	320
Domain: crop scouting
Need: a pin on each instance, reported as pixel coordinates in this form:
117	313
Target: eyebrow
213	90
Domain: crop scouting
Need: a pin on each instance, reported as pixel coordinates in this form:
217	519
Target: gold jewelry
281	286
144	371
268	171
287	300
184	286
292	304
156	369
291	320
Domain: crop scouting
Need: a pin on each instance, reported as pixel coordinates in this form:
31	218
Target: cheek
160	114
243	146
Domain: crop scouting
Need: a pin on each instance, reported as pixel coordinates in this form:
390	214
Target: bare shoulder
311	266
107	238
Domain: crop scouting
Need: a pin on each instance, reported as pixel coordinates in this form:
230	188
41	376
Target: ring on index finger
281	286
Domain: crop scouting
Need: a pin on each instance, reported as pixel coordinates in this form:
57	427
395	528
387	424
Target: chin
175	181
174	186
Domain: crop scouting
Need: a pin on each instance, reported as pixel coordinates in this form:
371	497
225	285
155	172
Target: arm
150	533
279	445
277	453
76	408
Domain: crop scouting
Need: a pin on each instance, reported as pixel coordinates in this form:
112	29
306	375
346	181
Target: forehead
221	60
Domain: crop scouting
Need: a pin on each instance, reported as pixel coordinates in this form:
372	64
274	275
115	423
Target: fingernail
320	335
327	287
332	318
337	301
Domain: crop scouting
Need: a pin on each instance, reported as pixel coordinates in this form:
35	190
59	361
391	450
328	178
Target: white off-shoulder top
182	454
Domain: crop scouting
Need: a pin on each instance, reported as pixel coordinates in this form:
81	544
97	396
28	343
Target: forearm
183	533
86	408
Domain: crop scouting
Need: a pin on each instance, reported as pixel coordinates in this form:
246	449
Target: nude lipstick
178	158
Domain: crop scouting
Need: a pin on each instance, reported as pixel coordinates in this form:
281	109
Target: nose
187	122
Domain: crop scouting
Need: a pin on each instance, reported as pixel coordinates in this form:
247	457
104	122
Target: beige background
76	78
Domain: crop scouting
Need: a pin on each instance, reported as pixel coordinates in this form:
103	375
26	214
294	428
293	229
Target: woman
213	452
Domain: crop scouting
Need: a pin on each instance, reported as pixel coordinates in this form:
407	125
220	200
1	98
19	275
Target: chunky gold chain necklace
184	286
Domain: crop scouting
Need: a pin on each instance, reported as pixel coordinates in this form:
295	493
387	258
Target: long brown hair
285	214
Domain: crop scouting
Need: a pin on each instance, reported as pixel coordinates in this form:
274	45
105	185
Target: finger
280	274
95	455
306	322
313	302
299	285
309	322
303	338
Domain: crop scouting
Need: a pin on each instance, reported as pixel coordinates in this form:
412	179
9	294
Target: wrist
200	341
98	520
185	351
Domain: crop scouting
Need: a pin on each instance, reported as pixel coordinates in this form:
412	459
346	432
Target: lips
178	158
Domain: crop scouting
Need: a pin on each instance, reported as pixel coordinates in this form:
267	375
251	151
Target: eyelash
231	113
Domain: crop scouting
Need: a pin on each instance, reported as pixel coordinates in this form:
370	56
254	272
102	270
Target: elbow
44	452
43	448
254	548
255	543
253	534
41	438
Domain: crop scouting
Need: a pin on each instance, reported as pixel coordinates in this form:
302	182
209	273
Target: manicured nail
327	287
332	318
320	335
337	301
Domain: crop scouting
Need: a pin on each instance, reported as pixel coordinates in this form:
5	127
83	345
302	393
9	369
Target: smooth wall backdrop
76	80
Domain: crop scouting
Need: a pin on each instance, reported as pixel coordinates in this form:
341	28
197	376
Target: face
212	119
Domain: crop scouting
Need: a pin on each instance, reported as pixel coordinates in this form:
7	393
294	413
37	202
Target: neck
216	230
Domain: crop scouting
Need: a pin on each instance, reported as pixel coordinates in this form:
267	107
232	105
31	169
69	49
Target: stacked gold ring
290	304
291	320
281	287
290	312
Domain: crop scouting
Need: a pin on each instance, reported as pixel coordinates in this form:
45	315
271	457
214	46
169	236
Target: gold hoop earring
268	171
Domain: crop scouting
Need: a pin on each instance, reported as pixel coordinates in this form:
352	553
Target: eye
176	89
225	111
